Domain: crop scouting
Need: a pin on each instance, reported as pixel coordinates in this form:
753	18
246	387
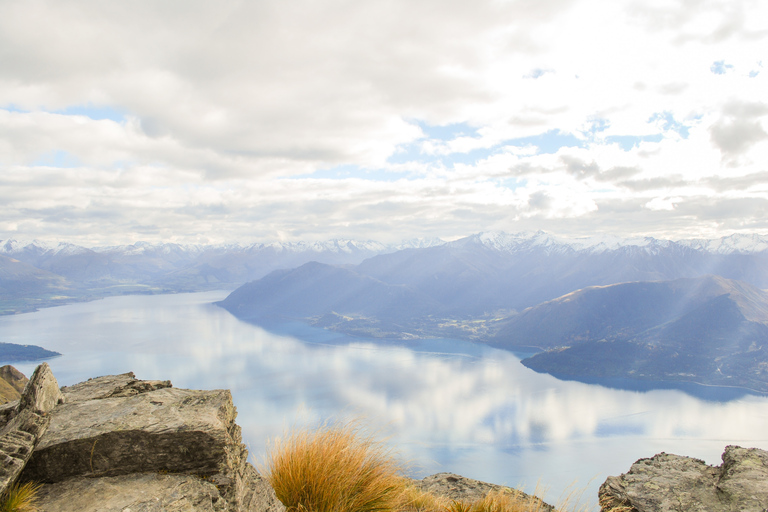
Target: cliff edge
672	482
120	444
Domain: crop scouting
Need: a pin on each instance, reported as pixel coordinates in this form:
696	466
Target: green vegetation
342	468
20	498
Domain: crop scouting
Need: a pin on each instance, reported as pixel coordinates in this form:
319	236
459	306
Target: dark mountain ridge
708	330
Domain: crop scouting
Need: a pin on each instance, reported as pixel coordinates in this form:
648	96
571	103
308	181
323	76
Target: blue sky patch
548	142
13	108
719	67
513	183
669	123
536	73
57	158
627	142
95	113
448	131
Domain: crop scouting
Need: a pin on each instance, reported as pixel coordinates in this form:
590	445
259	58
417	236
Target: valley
648	309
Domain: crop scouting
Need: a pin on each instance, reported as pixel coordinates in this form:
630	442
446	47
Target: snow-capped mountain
482	271
737	243
515	242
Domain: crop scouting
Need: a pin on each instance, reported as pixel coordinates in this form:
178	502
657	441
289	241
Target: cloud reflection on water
448	405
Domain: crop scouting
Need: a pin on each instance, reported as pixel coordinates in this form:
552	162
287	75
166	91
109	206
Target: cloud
191	121
739	128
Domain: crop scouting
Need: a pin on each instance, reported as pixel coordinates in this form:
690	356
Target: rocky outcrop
462	489
24	422
117	443
668	482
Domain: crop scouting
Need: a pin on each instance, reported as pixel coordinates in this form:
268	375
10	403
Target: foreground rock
462	489
117	443
671	482
23	423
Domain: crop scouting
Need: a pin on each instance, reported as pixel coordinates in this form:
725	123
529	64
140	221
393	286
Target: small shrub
20	498
336	468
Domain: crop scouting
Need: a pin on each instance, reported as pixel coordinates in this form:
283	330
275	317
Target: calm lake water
446	405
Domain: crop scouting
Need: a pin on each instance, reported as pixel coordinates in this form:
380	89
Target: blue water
447	405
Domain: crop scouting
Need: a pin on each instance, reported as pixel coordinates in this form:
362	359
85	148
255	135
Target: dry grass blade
20	498
336	468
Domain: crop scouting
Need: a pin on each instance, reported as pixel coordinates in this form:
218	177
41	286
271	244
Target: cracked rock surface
667	482
116	443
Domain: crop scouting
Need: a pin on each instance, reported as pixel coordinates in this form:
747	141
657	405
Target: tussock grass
20	498
340	467
500	501
336	468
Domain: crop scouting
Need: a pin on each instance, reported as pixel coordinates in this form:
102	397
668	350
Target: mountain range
707	329
593	307
647	309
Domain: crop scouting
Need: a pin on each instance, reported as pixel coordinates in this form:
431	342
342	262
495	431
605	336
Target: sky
270	120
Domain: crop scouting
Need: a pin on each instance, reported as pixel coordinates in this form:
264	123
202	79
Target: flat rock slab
167	429
668	482
462	489
110	386
138	492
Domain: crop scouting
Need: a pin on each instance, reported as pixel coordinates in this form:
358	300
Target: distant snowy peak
540	240
39	247
737	243
346	246
496	240
418	243
148	248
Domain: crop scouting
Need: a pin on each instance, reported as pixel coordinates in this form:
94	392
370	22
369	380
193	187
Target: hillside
708	330
321	292
476	275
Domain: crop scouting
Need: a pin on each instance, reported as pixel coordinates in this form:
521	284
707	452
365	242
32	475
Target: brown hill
12	383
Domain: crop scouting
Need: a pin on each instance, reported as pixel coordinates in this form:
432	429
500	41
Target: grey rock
119	443
462	489
155	492
7	412
25	422
17	442
42	392
138	492
257	494
125	384
163	430
667	482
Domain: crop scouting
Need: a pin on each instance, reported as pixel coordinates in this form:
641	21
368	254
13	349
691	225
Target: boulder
673	482
462	489
137	492
41	393
163	430
24	423
121	438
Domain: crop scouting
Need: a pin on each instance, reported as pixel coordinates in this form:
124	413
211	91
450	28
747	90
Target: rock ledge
668	482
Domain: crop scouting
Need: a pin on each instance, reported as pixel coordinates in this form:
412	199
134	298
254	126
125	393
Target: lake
446	405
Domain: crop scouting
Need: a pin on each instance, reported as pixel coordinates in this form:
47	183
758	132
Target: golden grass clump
341	468
20	498
415	499
336	468
499	501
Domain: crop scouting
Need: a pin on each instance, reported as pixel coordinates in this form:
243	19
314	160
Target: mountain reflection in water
446	405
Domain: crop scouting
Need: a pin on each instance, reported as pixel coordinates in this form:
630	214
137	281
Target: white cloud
224	101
